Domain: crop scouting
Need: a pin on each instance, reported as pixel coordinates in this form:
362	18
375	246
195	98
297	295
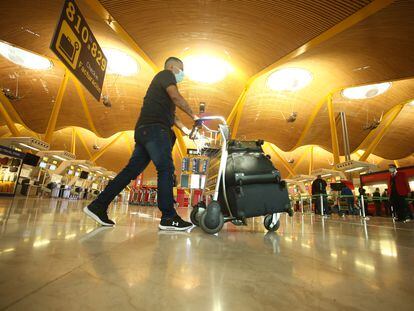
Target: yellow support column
282	159
56	109
85	146
9	122
309	123
97	155
396	163
14	114
381	132
334	134
299	161
82	98
233	112
371	135
176	152
126	138
311	160
73	142
237	116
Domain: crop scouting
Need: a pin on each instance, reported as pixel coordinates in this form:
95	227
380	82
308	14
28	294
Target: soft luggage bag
241	181
253	184
257	200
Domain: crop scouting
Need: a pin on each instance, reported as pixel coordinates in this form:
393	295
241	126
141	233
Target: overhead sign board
77	47
11	152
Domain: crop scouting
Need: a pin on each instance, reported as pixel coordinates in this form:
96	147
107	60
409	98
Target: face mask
392	170
179	76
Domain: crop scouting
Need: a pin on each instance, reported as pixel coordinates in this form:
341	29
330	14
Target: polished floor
53	258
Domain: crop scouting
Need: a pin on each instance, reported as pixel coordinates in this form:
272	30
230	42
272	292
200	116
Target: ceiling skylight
366	91
289	79
24	58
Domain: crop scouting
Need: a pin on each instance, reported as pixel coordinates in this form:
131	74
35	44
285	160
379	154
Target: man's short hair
172	59
392	165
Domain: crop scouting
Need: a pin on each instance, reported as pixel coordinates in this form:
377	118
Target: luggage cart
215	211
153	197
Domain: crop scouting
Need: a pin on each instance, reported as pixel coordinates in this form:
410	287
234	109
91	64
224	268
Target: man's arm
181	126
179	101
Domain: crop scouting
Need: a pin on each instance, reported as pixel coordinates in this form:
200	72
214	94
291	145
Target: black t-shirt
158	107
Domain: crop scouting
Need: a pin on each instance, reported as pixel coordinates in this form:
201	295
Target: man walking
153	142
319	195
398	191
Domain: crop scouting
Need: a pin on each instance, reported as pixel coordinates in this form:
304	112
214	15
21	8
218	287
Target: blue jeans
152	143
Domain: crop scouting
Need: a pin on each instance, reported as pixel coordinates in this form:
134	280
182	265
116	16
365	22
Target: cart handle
200	122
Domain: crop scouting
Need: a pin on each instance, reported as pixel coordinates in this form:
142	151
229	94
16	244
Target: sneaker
99	215
174	224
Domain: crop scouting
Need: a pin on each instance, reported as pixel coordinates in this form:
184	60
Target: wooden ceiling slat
253	34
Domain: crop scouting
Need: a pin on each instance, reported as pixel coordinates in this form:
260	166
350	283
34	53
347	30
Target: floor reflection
50	253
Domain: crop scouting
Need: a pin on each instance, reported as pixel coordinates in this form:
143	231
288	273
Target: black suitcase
253	185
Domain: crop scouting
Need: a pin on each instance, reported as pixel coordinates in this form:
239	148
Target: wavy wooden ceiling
255	33
383	42
248	34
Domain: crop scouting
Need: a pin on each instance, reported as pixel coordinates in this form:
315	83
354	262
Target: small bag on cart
253	185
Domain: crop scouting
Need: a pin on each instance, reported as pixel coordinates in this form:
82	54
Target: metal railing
343	203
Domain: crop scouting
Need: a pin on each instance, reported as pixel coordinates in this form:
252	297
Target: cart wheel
268	223
212	220
209	228
194	216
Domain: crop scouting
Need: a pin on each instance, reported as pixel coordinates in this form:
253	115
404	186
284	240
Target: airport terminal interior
295	168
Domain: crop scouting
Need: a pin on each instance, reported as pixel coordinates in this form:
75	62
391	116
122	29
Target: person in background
362	195
376	197
318	189
386	202
349	196
398	192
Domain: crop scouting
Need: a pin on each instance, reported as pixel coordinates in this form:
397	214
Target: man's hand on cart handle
181	126
186	130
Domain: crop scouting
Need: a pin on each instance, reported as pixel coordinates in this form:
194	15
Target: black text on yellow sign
76	46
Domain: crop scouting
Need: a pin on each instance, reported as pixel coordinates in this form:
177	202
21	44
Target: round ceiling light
366	91
206	69
120	63
24	58
289	79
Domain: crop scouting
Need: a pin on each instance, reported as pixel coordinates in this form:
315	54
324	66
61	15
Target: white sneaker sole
96	218
172	228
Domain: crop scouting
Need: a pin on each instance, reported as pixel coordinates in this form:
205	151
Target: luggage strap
242	179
